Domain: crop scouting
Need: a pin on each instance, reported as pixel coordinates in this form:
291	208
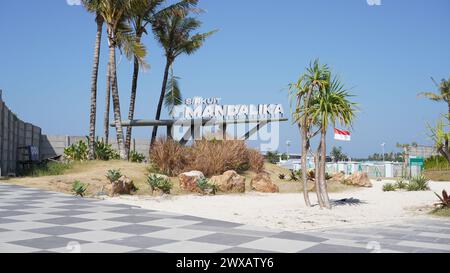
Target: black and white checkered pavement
34	220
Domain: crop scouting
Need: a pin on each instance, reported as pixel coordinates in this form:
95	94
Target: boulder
337	177
124	185
359	179
263	183
229	181
188	181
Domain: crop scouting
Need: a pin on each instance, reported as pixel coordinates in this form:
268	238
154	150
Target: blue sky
386	54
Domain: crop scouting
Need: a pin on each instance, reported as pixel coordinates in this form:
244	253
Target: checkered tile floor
33	220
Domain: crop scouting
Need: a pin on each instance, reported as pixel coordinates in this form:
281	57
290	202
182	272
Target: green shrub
389	187
47	169
136	157
104	151
206	186
113	175
418	183
436	162
158	182
401	184
282	176
273	157
79	151
79	188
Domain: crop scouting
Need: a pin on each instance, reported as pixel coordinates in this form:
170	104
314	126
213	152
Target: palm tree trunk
323	183
132	103
304	167
133	97
116	102
94	77
318	177
107	104
161	100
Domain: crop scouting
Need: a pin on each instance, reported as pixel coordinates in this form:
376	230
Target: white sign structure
197	108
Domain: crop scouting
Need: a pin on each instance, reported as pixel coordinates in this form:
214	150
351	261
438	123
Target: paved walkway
33	220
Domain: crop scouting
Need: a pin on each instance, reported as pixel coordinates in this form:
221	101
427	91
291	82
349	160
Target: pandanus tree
301	93
329	106
142	16
94	7
173	31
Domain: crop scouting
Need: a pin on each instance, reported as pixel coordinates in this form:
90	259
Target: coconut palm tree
329	106
142	16
94	7
120	35
301	92
443	95
107	105
173	31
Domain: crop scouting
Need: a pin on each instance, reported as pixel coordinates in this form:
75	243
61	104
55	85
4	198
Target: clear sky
385	53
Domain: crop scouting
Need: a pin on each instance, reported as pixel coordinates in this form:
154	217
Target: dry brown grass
169	157
211	157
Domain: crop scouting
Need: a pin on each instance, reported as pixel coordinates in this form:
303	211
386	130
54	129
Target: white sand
288	211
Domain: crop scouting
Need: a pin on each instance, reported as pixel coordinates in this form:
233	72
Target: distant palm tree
107	105
443	95
330	105
173	32
93	6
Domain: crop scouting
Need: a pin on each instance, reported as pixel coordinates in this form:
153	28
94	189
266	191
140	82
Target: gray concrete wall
14	133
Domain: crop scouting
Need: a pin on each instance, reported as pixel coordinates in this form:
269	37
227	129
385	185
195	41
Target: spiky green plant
159	182
418	183
113	175
79	188
389	187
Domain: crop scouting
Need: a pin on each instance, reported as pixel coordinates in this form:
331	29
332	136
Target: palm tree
173	32
330	105
120	35
302	92
443	95
142	15
93	6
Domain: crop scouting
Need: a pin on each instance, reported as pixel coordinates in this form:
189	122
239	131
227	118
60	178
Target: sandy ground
288	212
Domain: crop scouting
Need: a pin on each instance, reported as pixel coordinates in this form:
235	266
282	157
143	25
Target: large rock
359	179
229	181
337	177
124	185
188	181
263	183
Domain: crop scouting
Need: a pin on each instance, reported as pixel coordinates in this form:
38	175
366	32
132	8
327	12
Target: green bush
79	188
113	175
206	186
293	176
104	151
436	162
389	187
47	169
282	176
418	183
158	182
401	184
136	157
79	151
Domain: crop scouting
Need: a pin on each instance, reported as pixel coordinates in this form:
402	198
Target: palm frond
173	95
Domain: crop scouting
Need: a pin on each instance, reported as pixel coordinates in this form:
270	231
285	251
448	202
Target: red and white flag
342	135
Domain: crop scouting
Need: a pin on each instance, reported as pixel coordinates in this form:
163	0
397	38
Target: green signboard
416	161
